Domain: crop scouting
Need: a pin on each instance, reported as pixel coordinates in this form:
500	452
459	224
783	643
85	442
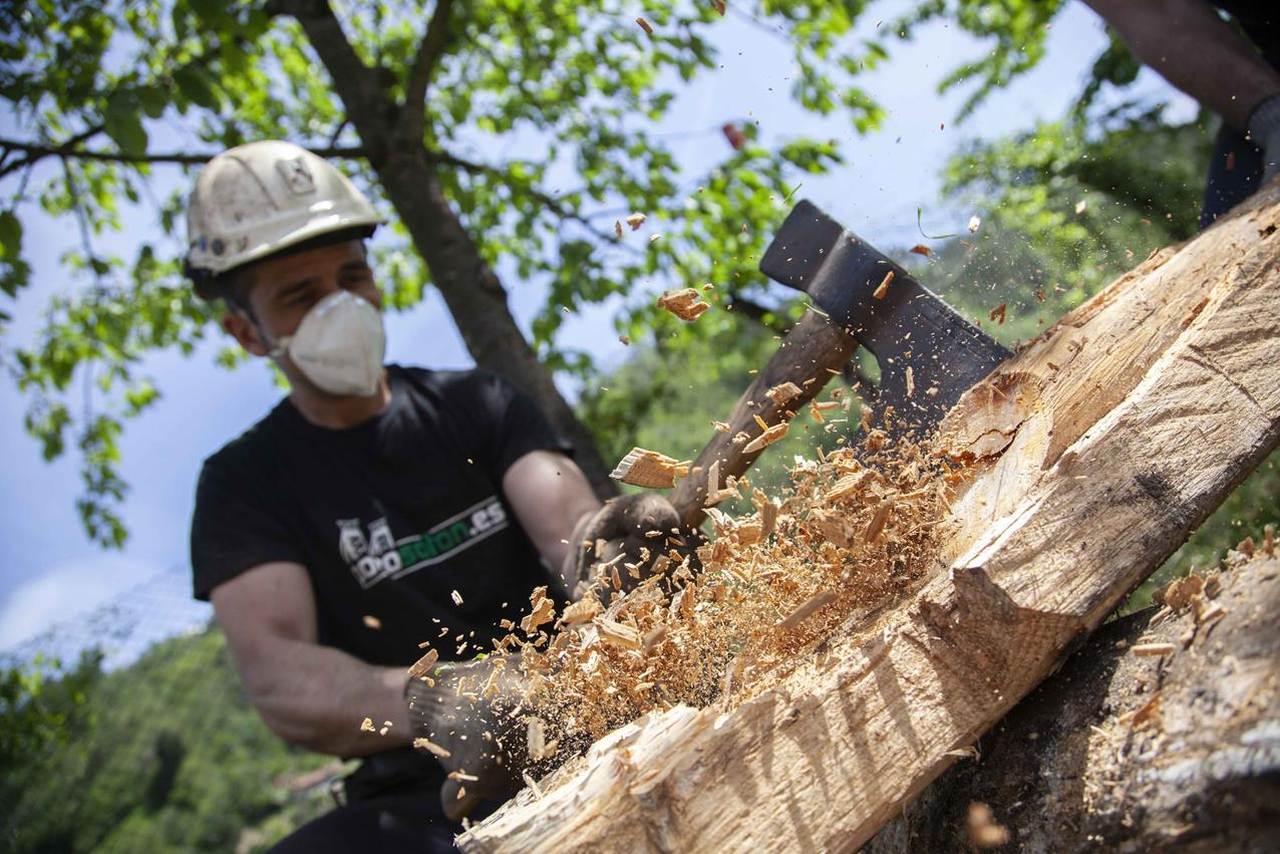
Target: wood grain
1164	393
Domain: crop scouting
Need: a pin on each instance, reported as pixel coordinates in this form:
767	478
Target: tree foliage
535	119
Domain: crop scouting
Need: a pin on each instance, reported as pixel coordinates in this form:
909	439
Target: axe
928	354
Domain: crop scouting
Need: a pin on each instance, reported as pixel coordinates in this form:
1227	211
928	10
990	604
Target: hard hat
255	200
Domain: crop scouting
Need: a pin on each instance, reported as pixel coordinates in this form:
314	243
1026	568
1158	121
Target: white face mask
339	345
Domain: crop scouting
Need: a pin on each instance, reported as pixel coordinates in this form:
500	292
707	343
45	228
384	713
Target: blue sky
50	571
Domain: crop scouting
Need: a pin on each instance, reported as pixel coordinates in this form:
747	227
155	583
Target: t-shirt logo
380	555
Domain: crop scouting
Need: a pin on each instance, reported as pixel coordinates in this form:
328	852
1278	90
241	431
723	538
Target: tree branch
33	156
358	85
430	51
550	202
70	150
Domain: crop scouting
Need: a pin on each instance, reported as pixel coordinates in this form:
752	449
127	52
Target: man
1232	70
374	508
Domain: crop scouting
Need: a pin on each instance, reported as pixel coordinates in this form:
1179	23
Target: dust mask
339	345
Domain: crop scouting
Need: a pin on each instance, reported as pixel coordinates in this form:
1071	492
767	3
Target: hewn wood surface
1123	752
1163	393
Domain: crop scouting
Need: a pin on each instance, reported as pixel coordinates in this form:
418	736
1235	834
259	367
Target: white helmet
257	199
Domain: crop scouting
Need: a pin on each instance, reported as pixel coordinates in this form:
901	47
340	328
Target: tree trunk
1129	753
477	300
1096	450
392	139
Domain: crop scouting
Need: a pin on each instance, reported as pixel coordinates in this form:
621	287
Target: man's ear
238	325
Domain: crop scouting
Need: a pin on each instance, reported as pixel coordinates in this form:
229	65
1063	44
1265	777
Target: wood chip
617	634
544	611
877	523
806	610
882	290
997	314
1152	649
653	637
635	220
645	25
767	438
641	467
372	621
721	427
536	739
532	784
463	775
423	665
686	304
456	597
768	518
366	725
911	382
583	611
431	747
783	392
984	831
719	6
921	249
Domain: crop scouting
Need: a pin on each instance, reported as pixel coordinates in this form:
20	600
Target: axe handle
811	353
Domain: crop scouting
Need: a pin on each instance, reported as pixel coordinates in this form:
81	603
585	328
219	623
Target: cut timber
1117	752
1133	446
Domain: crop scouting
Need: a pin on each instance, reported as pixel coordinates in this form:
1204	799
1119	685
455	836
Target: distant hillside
164	755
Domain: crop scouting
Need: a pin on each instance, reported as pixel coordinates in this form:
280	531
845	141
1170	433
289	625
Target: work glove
463	713
1264	132
630	529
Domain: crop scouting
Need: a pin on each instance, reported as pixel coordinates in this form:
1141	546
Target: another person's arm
1193	48
311	695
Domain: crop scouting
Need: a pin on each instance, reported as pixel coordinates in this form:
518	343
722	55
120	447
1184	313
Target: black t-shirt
389	517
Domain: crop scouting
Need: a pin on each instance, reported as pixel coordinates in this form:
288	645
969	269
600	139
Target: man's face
283	289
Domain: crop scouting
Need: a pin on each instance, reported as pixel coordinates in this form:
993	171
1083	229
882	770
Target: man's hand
464	718
625	525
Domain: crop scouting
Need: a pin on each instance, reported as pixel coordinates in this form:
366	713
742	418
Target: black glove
470	731
633	529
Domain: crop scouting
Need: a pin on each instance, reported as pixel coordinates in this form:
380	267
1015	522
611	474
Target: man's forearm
317	696
1195	50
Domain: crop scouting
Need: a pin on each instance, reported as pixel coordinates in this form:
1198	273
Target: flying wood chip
431	747
423	665
882	290
649	469
767	438
544	610
685	304
645	25
921	249
635	220
616	634
783	392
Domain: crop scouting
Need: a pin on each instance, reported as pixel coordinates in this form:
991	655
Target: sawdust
723	623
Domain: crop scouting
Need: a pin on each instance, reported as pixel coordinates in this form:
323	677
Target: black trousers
392	804
1235	172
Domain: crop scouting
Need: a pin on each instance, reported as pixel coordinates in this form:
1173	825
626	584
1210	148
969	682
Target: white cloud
65	590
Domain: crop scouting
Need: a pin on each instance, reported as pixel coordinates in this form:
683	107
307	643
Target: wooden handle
812	352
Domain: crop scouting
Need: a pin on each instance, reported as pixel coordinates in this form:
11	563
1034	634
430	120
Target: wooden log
1120	752
1089	477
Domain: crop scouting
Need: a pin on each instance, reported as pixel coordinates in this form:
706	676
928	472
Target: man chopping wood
377	511
1230	67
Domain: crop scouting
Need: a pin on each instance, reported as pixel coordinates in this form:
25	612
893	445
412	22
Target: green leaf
10	235
123	124
195	86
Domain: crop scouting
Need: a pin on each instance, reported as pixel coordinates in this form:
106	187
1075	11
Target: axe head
928	354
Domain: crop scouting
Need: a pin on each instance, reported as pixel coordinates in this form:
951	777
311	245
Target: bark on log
1103	444
1133	753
